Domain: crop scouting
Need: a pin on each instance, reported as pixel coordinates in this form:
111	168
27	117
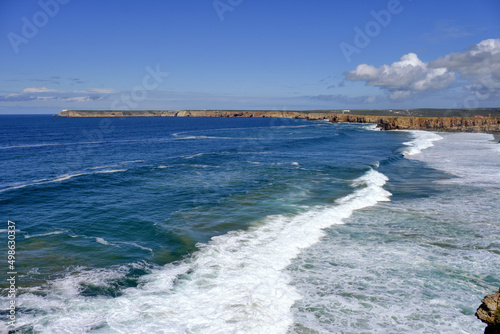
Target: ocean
233	225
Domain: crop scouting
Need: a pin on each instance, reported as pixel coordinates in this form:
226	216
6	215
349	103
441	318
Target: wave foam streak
422	140
234	284
60	178
419	265
472	157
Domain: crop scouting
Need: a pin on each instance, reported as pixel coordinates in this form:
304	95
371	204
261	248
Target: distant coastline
451	120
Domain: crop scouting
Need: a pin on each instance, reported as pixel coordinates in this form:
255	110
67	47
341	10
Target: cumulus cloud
479	67
403	77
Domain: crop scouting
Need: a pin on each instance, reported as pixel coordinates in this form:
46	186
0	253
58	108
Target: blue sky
248	54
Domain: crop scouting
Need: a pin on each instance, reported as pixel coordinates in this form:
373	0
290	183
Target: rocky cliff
458	124
489	313
195	113
454	124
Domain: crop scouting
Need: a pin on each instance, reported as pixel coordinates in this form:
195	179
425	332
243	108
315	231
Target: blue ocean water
227	225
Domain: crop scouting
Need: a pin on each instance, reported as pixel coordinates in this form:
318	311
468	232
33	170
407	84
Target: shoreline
448	120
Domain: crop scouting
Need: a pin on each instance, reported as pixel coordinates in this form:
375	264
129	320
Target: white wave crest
372	127
473	157
422	140
236	283
44	234
60	178
102	241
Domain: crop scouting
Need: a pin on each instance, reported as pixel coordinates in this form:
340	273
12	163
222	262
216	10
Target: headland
451	120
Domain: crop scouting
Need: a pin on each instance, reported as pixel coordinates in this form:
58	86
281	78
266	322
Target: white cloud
479	65
478	69
403	77
39	90
478	59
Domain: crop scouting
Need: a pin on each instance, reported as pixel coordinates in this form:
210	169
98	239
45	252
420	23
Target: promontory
453	120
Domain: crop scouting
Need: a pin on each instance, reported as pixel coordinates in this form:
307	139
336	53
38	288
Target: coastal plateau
452	121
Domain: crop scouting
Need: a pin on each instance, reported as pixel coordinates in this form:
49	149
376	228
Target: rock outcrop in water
489	313
454	124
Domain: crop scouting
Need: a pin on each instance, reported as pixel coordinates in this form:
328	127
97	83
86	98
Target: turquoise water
203	225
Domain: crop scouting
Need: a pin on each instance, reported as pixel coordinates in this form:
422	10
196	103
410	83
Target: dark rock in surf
489	313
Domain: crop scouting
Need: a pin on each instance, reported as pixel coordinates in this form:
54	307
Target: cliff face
489	313
458	124
194	113
454	124
467	124
111	113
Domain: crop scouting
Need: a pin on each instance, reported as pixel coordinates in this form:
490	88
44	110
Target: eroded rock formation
489	313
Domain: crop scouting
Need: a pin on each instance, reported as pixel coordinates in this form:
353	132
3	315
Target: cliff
489	313
455	124
195	113
451	124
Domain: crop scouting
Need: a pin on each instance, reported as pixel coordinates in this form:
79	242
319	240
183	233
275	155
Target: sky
248	54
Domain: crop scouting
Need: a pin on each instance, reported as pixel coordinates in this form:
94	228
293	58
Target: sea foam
236	283
60	178
421	141
472	157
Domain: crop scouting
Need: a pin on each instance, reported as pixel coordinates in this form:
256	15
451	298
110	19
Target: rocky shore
387	122
451	124
489	313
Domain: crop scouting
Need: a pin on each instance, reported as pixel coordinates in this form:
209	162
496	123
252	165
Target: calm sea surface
224	225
